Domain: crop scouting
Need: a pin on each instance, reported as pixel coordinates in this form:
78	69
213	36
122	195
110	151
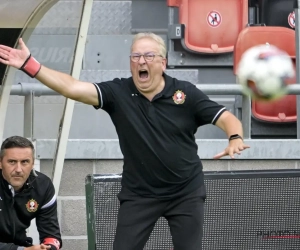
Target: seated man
25	194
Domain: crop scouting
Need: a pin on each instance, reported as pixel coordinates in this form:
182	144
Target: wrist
54	243
31	66
235	136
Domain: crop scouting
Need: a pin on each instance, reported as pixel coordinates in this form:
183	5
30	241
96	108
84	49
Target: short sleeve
106	94
206	111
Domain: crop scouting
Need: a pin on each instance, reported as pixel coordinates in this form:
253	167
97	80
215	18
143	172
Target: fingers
4	55
4	58
5	48
22	44
231	151
45	246
220	155
224	153
3	61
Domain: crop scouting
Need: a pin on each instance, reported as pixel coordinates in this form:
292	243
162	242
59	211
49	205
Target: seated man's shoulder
40	179
41	190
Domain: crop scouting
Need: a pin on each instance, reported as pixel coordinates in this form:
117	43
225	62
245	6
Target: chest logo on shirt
179	97
32	205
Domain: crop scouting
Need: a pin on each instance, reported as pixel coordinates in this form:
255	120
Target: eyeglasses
149	57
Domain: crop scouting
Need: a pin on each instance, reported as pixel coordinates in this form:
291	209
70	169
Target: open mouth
143	74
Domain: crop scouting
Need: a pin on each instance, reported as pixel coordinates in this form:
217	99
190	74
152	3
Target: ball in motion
264	72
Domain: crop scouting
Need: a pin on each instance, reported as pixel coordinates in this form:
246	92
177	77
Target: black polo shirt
157	138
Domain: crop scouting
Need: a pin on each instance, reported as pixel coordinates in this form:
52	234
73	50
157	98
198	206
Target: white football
263	72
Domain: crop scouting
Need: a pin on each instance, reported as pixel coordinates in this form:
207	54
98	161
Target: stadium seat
283	110
277	13
210	26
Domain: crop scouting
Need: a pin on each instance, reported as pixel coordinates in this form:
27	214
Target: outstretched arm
62	83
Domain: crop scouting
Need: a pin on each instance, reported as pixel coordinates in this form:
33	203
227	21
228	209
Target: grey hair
156	38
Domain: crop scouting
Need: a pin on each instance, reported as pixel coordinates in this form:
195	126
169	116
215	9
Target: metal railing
29	90
23	89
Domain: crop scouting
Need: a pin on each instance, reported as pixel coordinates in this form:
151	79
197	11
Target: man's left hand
234	147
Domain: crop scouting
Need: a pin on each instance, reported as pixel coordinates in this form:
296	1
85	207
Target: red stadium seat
285	109
211	26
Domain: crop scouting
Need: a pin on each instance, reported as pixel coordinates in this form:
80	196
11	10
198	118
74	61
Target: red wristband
31	66
52	241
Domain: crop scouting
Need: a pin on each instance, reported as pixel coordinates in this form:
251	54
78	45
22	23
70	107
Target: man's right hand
38	247
14	57
62	83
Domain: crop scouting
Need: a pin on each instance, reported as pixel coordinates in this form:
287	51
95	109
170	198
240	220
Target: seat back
211	26
283	110
277	13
